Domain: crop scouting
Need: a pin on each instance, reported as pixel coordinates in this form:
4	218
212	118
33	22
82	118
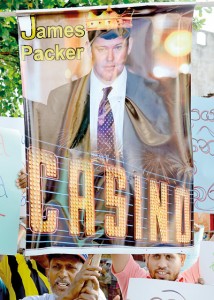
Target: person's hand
21	181
79	288
90	291
201	280
196	227
117	297
42	260
212	238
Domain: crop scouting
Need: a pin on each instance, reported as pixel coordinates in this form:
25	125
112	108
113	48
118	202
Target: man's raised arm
119	261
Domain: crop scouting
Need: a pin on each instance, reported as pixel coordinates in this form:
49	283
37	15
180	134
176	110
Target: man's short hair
82	257
108	34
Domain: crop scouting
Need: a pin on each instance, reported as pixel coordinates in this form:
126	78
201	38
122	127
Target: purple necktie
105	128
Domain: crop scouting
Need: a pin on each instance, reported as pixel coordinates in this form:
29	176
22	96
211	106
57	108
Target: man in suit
68	124
71	108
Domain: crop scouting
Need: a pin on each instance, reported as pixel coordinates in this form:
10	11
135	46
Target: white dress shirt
117	101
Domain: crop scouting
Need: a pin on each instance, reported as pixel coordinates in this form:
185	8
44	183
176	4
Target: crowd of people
66	276
69	276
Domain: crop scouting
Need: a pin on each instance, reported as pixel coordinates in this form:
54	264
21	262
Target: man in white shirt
71	115
68	276
109	55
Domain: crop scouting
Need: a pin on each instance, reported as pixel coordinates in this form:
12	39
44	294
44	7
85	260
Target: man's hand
200	280
21	181
91	291
79	289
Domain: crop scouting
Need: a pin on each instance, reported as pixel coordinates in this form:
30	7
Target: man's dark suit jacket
65	120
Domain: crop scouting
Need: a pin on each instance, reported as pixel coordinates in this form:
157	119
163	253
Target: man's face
164	266
62	272
109	57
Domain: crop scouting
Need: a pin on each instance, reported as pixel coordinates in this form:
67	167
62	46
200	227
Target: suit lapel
84	124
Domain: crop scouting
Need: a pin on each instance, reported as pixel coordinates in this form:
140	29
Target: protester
163	266
21	183
68	275
22	277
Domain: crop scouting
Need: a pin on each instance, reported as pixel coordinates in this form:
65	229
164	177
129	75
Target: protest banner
18	124
117	172
202	117
10	195
164	289
206	261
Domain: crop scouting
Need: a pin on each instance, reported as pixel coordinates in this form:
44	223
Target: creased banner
10	162
107	120
202	117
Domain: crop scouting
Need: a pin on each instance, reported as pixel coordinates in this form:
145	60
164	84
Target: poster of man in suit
108	142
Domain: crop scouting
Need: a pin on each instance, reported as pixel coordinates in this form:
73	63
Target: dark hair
109	34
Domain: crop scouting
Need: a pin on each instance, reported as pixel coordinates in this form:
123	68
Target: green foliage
10	81
10	78
199	21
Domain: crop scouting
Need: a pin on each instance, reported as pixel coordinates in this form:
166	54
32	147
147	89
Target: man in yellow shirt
22	277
